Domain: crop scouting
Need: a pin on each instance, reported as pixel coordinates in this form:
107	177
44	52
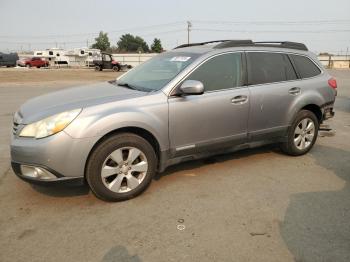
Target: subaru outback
192	102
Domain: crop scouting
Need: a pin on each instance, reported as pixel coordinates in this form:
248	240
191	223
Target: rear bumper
327	111
58	179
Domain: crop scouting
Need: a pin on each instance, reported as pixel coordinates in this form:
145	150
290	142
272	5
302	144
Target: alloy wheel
304	133
124	169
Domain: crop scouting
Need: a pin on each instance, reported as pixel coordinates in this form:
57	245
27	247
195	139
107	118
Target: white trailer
55	56
83	56
73	57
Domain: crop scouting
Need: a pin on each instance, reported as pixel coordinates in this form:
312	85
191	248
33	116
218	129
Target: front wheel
116	68
302	134
121	167
98	68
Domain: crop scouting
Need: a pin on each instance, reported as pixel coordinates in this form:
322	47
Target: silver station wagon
191	102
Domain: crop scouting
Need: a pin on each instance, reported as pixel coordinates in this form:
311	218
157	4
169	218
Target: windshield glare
155	73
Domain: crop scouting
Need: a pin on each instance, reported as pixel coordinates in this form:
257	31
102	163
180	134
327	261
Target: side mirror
192	87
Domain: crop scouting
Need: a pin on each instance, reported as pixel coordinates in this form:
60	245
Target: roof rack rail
284	44
234	43
237	43
202	43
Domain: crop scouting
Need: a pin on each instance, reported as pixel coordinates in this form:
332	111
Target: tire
302	134
109	175
116	68
98	68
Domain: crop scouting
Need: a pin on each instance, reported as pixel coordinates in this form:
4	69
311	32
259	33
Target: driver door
107	61
217	118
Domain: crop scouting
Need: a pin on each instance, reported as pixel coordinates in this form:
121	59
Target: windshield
155	73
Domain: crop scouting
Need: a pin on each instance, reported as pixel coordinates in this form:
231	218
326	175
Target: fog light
36	172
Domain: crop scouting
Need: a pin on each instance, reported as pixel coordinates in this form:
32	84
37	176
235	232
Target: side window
50	53
305	67
220	72
269	68
107	58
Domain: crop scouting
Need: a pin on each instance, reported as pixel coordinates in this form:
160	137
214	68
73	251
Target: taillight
332	83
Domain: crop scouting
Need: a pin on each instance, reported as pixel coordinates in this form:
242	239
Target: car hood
47	105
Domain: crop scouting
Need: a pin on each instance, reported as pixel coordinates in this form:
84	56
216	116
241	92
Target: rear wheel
302	134
121	167
98	68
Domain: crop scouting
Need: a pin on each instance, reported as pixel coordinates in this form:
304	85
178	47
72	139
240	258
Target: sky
323	25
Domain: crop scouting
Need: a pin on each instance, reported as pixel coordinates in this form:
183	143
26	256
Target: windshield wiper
133	87
127	85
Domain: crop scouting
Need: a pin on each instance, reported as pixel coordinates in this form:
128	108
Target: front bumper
60	156
57	180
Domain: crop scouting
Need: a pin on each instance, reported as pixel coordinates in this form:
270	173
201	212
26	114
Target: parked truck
8	60
33	62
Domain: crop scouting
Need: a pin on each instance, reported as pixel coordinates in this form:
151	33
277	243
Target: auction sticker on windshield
180	58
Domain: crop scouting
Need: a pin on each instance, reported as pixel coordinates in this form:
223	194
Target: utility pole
87	43
189	26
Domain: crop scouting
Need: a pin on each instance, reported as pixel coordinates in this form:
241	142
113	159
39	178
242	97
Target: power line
271	22
150	27
271	31
163	33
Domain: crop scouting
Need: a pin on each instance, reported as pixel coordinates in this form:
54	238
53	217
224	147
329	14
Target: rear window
269	68
306	68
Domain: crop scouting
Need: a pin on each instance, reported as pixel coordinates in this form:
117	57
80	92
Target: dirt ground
253	205
61	76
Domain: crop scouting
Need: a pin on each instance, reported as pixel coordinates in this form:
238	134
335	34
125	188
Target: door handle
238	100
294	91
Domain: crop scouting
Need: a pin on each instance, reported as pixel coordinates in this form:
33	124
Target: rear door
274	87
217	118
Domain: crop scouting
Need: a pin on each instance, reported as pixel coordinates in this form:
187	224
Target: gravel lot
253	205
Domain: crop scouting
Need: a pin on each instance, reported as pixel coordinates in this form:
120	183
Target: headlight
50	125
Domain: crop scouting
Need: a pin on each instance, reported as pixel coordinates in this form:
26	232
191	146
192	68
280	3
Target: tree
130	43
102	42
157	46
